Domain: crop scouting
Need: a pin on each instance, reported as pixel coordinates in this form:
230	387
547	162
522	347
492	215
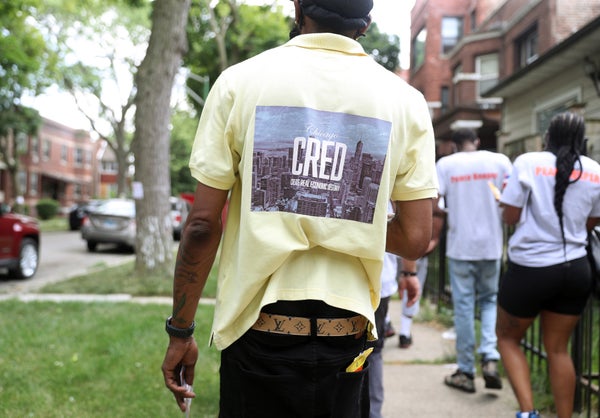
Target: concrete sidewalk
414	379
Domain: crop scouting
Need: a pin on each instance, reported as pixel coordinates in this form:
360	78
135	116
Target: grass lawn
95	360
98	359
57	223
121	279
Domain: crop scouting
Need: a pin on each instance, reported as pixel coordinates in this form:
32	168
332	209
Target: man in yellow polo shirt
309	141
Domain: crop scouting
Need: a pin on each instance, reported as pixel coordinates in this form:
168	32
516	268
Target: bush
47	208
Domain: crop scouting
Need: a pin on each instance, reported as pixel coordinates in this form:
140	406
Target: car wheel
91	246
28	259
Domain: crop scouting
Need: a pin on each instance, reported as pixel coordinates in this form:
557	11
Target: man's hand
181	352
413	289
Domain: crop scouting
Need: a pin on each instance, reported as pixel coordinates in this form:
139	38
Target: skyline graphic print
317	163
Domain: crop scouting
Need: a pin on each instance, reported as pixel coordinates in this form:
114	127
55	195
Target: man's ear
364	30
361	32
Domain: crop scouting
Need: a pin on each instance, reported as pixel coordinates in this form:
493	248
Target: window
64	152
544	117
487	68
418	49
452	32
557	103
22	182
21	143
456	93
33	184
526	48
110	166
78	157
445	99
35	147
473	19
46	149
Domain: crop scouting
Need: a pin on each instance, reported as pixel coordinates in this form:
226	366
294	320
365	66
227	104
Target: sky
391	16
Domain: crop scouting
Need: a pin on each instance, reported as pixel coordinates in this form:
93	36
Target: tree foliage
23	53
183	130
228	33
113	35
231	32
25	64
384	48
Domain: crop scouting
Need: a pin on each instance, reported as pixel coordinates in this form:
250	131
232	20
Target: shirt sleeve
213	161
416	178
441	176
517	188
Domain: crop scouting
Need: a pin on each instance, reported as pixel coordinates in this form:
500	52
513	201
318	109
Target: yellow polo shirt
312	138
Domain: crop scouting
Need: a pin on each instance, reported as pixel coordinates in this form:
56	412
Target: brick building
59	163
461	49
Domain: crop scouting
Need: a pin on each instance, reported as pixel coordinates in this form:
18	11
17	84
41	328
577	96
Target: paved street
64	254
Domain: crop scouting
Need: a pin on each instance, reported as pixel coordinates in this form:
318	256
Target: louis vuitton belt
324	327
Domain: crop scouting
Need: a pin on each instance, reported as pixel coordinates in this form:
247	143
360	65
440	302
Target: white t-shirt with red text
537	240
474	223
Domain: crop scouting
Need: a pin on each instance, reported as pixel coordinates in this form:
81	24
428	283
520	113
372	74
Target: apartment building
462	50
59	163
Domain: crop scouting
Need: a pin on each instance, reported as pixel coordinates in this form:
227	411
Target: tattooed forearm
177	308
186	267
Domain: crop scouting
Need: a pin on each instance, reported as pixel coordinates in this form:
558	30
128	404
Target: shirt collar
328	41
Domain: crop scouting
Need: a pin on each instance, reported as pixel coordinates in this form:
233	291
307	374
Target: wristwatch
408	273
179	332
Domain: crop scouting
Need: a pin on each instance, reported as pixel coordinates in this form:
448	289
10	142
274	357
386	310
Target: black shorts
561	288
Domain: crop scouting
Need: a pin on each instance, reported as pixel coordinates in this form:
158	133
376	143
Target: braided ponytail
564	139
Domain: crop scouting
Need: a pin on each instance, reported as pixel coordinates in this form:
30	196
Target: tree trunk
122	152
155	77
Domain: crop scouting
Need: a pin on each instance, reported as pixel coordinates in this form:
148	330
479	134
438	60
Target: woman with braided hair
553	199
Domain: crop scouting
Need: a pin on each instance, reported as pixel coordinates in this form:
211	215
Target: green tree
228	33
102	82
184	126
26	65
384	48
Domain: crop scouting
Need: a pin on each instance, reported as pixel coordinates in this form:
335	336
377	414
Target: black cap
344	8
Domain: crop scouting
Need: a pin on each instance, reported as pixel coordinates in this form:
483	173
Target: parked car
19	244
111	222
179	213
79	211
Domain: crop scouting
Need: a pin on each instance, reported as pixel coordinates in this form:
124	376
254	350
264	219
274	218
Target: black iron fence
585	342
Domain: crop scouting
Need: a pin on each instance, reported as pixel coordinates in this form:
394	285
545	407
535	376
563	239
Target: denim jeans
376	390
474	283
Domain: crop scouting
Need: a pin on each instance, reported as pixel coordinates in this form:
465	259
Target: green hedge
47	208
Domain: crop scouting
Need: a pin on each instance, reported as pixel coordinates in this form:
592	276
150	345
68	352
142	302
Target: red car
19	244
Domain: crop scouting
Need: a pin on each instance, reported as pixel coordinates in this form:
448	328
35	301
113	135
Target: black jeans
265	375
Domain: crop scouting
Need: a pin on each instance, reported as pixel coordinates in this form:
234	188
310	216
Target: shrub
47	208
